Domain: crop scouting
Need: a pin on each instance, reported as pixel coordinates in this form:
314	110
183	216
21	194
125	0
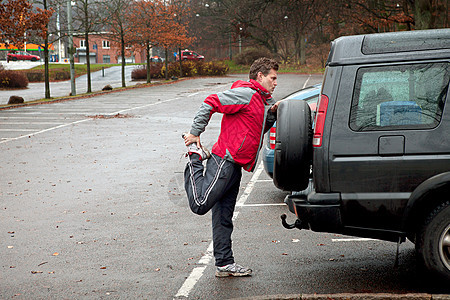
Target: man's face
269	82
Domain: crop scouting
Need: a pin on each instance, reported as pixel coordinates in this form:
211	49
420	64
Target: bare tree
88	21
119	21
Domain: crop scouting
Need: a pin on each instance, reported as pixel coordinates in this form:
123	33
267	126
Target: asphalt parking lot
92	206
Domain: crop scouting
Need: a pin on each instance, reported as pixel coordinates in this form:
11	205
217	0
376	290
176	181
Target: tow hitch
297	224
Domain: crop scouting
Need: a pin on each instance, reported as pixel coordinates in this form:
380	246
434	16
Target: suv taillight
272	137
320	121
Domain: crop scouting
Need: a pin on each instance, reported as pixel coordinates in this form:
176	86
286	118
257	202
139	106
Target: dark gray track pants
215	189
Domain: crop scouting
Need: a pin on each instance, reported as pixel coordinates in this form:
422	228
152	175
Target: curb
348	296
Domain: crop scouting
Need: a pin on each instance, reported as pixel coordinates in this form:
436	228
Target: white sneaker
202	152
233	270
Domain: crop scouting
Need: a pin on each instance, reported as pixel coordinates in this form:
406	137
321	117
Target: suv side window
399	97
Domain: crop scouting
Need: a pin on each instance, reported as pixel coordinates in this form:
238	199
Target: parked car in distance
308	94
22	55
190	55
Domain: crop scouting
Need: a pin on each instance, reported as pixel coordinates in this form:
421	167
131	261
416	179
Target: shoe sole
234	274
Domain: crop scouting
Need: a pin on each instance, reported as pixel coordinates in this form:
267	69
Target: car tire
14	59
433	243
34	59
293	146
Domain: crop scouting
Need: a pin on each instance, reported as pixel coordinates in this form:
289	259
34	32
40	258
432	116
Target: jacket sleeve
201	119
270	119
228	102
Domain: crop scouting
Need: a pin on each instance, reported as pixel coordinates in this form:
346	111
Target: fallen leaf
103	268
284	254
36	272
55	254
157	269
295	240
10	247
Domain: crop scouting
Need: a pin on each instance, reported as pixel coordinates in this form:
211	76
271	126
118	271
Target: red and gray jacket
246	117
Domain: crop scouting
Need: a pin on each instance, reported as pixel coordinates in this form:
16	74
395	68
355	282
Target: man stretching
248	112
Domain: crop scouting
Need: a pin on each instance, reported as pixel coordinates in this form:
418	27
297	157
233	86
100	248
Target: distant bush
62	75
196	68
12	79
140	73
217	68
248	56
39	76
36	76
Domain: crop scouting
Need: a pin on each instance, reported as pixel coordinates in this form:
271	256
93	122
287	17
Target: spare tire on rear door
293	146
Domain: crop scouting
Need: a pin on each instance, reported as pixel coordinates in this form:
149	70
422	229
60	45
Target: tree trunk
88	63
181	63
46	71
149	79
123	59
302	50
166	52
423	14
88	56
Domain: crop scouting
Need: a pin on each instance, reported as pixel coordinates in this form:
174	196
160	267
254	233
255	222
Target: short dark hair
263	65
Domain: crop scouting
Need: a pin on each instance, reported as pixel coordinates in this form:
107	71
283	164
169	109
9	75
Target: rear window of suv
399	97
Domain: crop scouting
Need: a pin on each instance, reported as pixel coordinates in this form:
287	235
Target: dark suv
378	162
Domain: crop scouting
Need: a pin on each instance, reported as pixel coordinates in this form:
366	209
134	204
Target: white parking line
250	186
34	118
18	130
193	94
306	82
262	205
77	122
353	240
38	132
29	123
197	272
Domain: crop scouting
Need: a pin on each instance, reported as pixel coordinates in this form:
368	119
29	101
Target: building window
82	44
106	59
105	44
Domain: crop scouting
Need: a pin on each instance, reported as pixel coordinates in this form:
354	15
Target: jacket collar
253	84
265	93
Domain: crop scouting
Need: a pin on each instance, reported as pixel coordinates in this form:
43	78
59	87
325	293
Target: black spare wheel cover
293	146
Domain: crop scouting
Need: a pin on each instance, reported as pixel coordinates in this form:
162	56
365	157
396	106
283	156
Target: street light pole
72	66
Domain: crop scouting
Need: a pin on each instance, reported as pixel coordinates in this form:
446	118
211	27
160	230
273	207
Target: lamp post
240	40
72	64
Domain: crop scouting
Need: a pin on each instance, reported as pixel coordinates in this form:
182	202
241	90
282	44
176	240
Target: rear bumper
320	211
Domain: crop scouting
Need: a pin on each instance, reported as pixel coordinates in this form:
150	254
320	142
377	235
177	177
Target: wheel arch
428	195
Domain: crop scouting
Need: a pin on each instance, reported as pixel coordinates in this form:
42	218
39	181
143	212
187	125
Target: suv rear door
386	137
